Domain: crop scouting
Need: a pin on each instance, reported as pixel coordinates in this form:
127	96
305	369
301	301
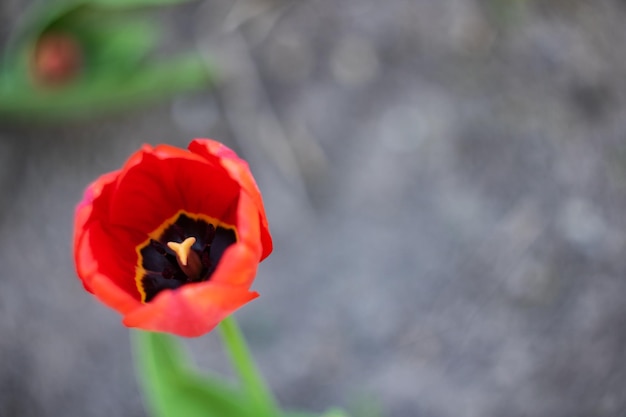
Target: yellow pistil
188	259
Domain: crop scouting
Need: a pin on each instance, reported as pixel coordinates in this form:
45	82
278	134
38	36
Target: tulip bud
57	59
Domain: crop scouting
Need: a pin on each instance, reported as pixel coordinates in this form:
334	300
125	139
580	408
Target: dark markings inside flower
186	250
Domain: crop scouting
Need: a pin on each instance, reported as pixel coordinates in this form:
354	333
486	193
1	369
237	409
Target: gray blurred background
445	182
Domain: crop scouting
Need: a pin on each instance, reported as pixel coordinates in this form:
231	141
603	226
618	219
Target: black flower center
201	244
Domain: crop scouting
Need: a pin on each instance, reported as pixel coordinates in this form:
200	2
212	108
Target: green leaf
253	384
44	14
102	91
172	389
117	45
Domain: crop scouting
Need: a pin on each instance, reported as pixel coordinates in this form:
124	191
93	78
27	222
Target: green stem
255	387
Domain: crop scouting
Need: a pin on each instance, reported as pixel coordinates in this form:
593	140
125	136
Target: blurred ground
446	186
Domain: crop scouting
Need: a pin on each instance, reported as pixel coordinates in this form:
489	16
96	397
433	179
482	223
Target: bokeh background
445	182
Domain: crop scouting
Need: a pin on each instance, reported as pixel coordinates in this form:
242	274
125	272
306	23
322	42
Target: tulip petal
239	170
159	186
112	295
190	311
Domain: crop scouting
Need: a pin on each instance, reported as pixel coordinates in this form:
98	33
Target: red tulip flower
173	239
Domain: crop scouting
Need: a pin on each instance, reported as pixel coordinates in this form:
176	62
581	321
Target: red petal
237	267
113	254
86	212
190	311
239	170
98	250
158	183
112	295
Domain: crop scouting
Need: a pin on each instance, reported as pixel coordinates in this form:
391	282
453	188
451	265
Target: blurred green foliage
172	388
115	68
